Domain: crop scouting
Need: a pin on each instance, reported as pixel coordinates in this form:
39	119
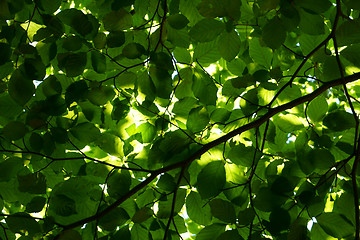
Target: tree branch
256	123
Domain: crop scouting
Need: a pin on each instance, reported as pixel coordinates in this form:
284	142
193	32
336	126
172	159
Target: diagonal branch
256	123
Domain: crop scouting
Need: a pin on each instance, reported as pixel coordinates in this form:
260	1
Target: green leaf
182	55
123	233
335	224
317	109
274	33
206	30
249	101
198	119
204	89
21	89
115	39
86	132
210	232
133	50
236	66
350	54
69	234
118	183
333	119
288	123
322	158
266	200
59	134
229	45
9	168
314	6
241	155
98	62
76	91
165	207
148	132
51	86
184	106
311	24
34	183
23	223
138	232
142	215
36	204
113	219
220	115
8	107
230	235
72	43
177	21
100	40
279	220
261	55
72	63
223	210
330	69
211	8
101	95
5	52
211	179
117	20
14	130
207	52
352	4
197	209
246	216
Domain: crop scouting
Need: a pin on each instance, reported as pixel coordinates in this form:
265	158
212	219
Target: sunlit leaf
211	179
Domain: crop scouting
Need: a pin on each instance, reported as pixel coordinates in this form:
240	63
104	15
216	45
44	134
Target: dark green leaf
5	52
133	50
113	219
229	45
336	225
339	120
206	30
101	95
14	130
211	179
119	183
76	91
317	109
23	222
34	183
98	62
142	215
86	132
274	33
117	20
279	220
311	24
223	210
230	235
21	89
178	21
36	204
72	63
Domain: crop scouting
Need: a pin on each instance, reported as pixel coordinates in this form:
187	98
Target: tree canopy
179	119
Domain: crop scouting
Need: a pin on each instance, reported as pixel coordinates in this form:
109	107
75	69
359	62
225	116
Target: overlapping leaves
200	119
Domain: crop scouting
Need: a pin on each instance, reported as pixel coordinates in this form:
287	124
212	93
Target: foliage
179	119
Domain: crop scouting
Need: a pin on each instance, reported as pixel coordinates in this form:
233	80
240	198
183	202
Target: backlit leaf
206	30
211	179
